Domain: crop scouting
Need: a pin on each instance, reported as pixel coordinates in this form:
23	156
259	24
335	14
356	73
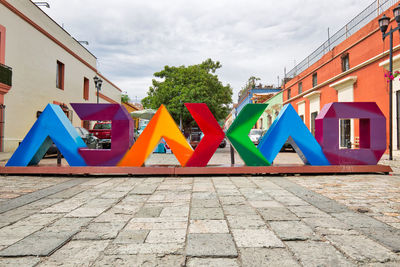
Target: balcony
5	75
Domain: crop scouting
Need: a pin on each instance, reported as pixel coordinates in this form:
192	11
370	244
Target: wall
33	57
366	51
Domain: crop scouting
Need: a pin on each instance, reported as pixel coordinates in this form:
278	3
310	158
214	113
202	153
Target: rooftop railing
359	21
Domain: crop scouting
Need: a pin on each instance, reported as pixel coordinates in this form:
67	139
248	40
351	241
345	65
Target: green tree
191	84
125	98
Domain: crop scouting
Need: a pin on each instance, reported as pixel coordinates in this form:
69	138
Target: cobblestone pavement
345	220
12	187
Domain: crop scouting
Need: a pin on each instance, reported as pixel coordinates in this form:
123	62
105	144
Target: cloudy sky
132	39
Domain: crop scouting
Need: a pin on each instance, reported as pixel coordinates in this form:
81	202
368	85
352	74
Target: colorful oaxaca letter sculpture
162	125
238	135
122	129
289	126
54	126
51	126
372	132
213	134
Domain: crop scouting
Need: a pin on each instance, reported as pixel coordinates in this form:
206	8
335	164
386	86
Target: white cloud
134	39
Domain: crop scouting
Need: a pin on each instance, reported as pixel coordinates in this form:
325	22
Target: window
289	91
300	87
60	75
314	80
302	118
345	62
86	88
313	116
269	120
345	133
102	126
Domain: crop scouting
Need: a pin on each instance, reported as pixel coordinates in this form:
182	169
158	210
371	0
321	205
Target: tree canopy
191	84
125	98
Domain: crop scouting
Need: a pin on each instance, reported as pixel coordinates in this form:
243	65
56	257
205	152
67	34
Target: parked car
91	141
255	135
102	130
53	150
194	138
223	143
286	146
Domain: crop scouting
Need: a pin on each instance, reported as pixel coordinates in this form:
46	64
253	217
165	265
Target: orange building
350	67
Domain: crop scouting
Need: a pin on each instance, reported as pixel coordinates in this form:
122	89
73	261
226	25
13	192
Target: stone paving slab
314	253
38	244
208	227
101	231
202	221
211	245
255	257
256	238
215	262
140	260
77	253
292	230
145	248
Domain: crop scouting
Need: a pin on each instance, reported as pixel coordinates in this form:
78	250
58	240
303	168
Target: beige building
48	66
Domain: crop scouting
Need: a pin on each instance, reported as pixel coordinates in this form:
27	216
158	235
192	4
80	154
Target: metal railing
5	75
359	21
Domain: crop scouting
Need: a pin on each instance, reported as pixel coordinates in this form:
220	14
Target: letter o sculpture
372	132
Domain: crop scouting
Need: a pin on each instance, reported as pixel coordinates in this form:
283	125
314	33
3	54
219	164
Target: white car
255	135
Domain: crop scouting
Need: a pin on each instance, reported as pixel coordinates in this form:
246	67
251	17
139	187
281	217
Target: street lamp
383	25
97	84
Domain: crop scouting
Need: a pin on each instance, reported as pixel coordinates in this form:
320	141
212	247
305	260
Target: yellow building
130	108
47	66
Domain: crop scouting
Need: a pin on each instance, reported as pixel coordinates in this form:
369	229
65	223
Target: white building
48	66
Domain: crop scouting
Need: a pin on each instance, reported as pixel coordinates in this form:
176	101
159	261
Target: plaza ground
335	220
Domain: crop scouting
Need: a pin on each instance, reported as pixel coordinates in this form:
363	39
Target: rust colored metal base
169	170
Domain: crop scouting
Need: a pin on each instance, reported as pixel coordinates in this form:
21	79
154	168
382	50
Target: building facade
247	96
350	71
272	111
48	66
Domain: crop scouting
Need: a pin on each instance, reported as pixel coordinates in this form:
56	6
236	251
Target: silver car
90	140
255	135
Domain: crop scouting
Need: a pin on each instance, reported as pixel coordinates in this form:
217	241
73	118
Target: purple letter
372	132
122	127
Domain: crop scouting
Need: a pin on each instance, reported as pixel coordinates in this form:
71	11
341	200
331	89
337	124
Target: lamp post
383	25
97	84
